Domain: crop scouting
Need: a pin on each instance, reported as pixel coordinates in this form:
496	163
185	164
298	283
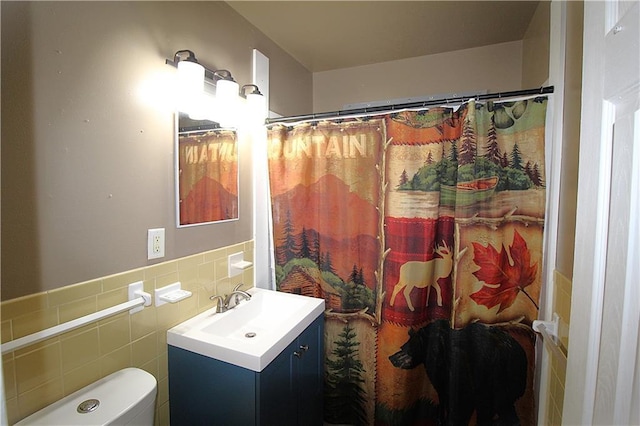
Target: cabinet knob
303	349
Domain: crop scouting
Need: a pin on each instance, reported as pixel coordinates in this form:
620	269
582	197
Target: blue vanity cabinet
288	391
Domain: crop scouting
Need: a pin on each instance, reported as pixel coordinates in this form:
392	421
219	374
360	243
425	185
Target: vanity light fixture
230	103
226	87
256	103
190	72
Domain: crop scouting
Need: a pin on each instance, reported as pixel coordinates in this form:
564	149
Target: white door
603	369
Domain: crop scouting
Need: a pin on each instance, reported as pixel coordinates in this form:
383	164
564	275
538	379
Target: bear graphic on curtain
423	232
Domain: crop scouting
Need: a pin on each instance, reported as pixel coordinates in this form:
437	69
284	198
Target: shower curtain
423	232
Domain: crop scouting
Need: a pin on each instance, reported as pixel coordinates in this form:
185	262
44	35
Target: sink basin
253	333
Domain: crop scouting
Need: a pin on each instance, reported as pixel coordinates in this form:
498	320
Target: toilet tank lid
118	393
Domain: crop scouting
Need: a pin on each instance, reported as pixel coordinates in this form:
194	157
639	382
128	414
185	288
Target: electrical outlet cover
155	243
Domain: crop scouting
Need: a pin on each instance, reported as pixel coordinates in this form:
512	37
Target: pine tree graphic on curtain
344	394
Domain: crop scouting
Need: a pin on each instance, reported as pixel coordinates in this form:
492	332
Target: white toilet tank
126	397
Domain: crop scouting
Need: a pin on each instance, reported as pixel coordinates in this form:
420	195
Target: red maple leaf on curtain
503	278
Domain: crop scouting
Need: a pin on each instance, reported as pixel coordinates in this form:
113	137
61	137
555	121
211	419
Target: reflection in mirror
206	172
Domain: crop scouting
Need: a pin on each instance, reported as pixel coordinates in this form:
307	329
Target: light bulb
190	77
228	102
256	108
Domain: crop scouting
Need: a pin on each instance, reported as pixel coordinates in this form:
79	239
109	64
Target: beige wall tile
163	366
160	269
114	334
234	248
214	255
221	268
149	285
188	277
144	350
74	292
162	417
247	278
77	308
163	391
13	414
151	367
112	298
225	286
8	374
204	293
190	262
35	346
80	377
188	307
143	323
562	296
17	307
168	315
34	321
38	398
79	350
117	281
38	367
162	342
5	331
116	360
166	279
206	272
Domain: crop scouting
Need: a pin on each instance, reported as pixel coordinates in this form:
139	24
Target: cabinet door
205	391
291	387
310	372
277	396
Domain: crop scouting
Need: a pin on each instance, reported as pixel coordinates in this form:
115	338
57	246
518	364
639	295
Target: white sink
253	333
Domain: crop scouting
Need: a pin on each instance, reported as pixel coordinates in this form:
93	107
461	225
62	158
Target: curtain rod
389	108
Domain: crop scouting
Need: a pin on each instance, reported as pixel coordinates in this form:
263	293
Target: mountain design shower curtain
423	232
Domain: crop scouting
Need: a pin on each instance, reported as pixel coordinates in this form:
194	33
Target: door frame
553	154
592	223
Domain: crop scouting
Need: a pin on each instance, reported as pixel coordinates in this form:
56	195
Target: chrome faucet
220	305
224	301
237	293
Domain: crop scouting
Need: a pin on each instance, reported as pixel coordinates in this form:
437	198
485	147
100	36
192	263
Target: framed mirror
206	172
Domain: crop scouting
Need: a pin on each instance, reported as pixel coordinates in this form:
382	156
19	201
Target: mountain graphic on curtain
423	232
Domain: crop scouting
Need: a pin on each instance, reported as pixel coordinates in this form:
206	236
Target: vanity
260	363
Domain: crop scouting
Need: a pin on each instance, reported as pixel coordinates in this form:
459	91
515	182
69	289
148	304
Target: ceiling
328	35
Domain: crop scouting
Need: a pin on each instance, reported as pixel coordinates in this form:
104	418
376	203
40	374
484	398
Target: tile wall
45	372
558	365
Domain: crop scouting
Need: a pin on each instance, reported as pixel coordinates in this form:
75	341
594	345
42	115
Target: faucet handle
220	305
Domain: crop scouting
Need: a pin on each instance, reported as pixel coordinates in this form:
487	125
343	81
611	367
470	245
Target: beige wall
535	48
493	68
40	374
87	163
571	139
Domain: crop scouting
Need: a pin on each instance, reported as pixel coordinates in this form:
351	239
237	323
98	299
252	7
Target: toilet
126	397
